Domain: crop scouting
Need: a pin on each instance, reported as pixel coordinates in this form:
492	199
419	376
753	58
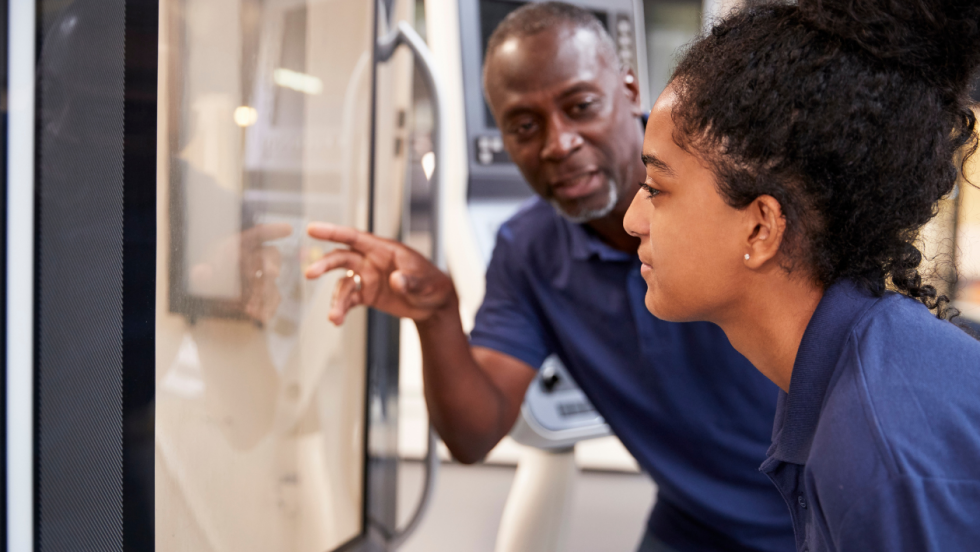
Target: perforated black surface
79	333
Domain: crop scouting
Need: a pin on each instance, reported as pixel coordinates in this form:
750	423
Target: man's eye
651	192
583	107
523	128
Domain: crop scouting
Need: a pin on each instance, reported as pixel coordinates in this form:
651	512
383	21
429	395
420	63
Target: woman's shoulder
917	379
900	331
899	343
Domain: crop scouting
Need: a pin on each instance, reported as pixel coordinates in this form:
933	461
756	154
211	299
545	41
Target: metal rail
404	34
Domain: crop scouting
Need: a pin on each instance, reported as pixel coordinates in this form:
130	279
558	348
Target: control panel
556	413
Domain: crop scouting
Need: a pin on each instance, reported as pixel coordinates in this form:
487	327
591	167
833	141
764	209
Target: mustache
567	177
587	215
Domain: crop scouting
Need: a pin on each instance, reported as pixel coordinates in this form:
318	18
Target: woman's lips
645	269
578	186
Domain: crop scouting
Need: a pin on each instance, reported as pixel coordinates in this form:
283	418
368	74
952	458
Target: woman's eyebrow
656	163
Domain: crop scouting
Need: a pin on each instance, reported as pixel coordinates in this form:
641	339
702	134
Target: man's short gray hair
531	19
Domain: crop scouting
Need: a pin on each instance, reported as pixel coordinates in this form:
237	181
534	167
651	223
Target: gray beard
591	214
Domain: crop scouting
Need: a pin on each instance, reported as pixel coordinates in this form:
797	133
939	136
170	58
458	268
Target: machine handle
403	33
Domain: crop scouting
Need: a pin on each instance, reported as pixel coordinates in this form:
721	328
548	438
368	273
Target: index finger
351	237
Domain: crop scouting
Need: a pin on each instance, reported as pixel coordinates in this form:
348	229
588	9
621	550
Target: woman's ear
767	227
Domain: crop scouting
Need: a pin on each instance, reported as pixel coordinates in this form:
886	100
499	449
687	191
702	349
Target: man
565	279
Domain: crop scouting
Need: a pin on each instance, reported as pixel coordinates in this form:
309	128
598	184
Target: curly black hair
851	113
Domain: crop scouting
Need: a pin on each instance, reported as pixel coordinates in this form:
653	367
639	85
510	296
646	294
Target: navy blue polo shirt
877	444
693	411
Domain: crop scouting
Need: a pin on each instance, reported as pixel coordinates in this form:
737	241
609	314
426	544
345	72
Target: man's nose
561	142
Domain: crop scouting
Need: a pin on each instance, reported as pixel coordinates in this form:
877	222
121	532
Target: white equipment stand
536	517
555	415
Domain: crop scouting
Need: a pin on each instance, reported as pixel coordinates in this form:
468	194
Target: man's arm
473	394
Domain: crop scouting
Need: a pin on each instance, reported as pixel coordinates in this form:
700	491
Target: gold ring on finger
357	279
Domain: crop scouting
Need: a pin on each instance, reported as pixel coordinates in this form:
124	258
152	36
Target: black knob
549	378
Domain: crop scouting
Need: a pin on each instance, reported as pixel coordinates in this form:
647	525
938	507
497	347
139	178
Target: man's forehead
549	58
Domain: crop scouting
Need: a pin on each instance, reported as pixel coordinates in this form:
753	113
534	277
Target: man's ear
766	228
631	86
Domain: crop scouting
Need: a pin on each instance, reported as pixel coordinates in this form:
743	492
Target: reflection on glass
265	122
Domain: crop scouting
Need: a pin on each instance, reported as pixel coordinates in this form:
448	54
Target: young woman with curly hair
791	163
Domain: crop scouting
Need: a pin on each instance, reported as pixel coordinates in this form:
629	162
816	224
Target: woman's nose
637	222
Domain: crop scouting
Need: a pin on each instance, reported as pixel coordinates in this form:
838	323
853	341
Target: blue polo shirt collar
585	244
798	412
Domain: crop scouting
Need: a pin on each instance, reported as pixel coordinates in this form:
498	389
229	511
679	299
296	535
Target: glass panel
264	126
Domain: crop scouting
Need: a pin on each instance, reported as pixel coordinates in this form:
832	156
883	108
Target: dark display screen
492	12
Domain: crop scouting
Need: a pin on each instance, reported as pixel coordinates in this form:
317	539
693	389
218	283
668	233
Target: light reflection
300	82
246	116
429	164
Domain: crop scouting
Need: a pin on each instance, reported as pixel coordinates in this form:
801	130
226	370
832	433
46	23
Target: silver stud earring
746	256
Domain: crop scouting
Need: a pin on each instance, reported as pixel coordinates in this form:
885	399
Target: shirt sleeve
508	320
914	514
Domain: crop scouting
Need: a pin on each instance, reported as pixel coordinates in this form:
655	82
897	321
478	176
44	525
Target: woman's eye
651	192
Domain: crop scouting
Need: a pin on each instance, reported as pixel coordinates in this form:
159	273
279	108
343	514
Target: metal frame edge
20	282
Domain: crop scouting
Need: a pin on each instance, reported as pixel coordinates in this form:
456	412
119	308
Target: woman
790	165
